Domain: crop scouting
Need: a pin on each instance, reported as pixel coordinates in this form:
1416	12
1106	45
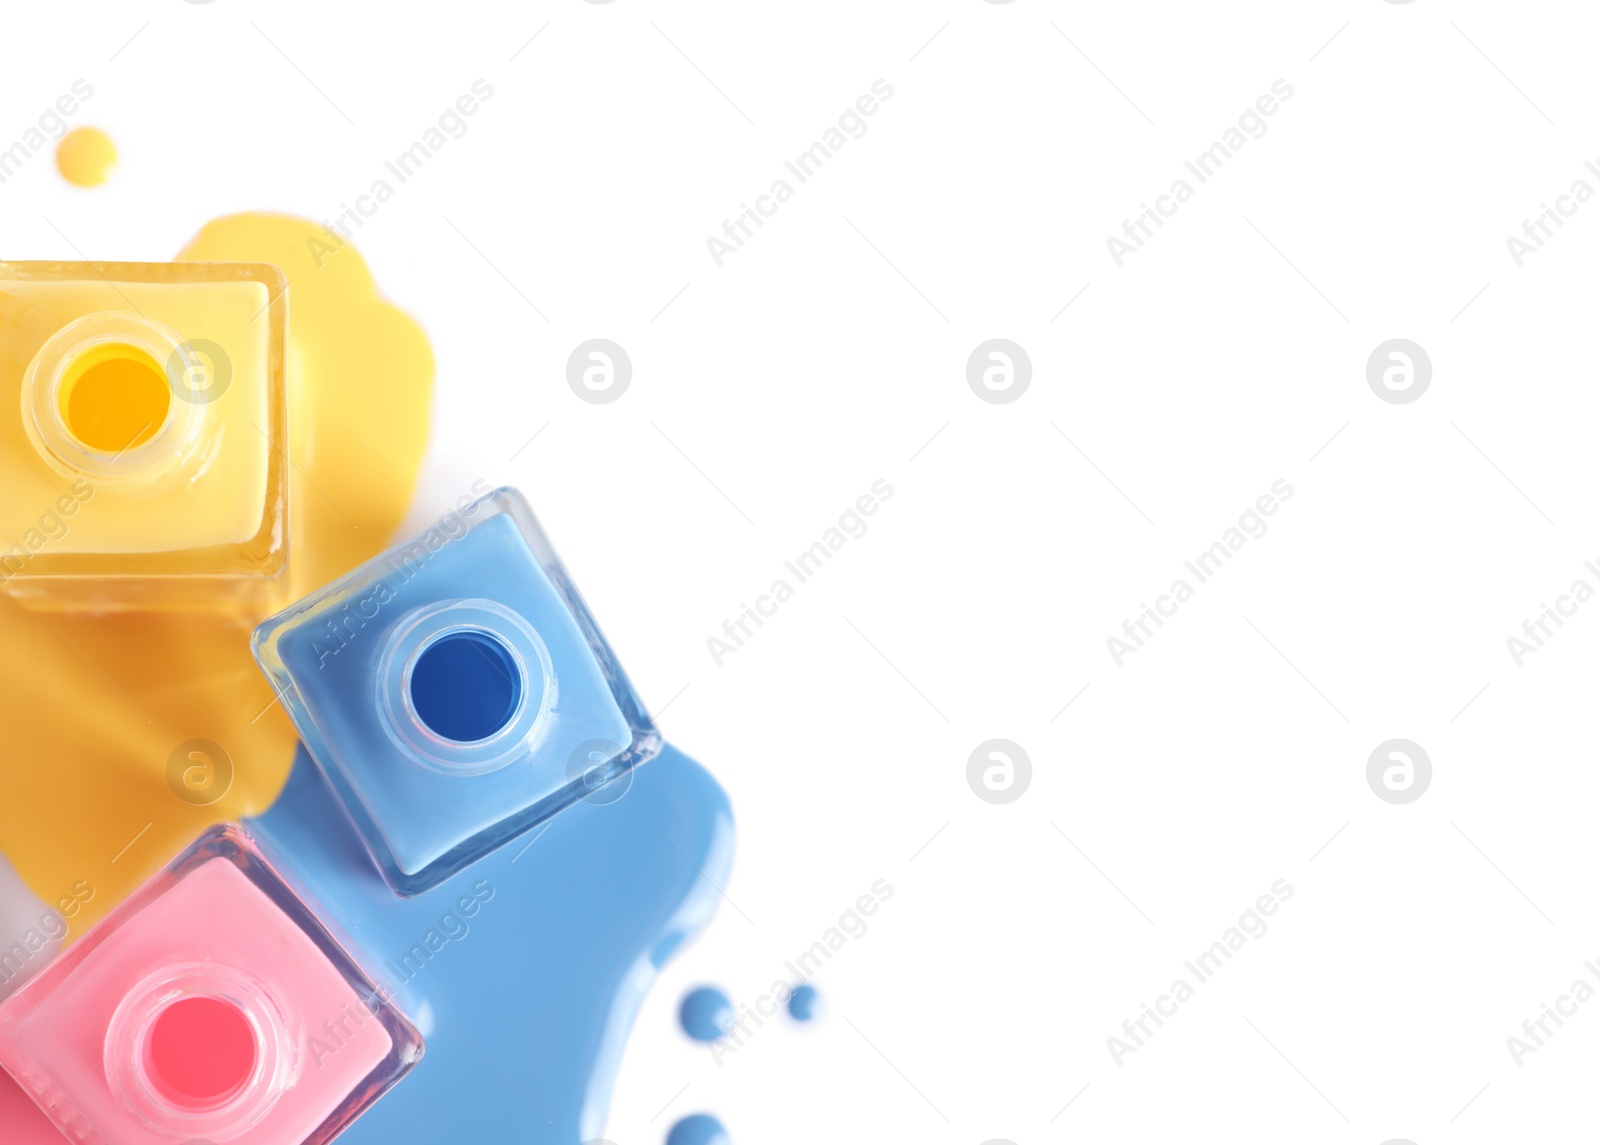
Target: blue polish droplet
705	1014
803	1003
698	1129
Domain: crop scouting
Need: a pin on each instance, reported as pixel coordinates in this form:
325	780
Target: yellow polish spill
85	156
95	707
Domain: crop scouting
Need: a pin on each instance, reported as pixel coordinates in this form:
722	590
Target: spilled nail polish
455	691
211	1004
705	1014
85	156
698	1129
142	429
536	958
803	1003
360	377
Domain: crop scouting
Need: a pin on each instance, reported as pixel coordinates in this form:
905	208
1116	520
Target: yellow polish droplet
96	708
85	156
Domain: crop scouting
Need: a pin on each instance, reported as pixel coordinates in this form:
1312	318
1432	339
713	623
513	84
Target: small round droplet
85	156
698	1129
803	1003
706	1014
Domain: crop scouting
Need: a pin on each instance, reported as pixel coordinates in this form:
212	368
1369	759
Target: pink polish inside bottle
211	1005
200	1051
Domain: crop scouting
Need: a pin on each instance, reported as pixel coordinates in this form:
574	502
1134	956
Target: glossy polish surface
803	1003
698	1129
85	156
465	686
117	400
360	376
705	1014
200	1050
542	971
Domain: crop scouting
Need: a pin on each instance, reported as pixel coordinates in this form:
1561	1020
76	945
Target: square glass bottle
455	691
211	1005
143	425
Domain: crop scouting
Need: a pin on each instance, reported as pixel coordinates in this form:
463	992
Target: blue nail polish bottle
455	691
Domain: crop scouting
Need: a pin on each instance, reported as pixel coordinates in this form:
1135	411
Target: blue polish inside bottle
465	686
455	691
698	1129
545	976
705	1014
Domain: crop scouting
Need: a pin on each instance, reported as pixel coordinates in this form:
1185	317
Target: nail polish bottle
455	691
142	430
210	1005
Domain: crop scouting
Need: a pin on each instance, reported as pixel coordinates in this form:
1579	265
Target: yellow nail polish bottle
142	433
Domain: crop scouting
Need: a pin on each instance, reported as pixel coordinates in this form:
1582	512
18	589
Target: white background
1173	391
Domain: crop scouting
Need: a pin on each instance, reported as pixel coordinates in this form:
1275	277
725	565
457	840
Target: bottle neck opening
199	1051
109	398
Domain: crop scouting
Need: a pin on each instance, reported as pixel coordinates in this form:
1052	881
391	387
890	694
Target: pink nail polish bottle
210	1005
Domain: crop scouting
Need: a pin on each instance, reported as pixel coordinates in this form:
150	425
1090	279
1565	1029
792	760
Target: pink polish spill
201	1052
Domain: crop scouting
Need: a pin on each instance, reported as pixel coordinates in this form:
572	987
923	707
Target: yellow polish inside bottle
114	397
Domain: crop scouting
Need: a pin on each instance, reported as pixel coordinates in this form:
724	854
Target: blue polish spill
568	926
465	686
803	1003
705	1014
698	1129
